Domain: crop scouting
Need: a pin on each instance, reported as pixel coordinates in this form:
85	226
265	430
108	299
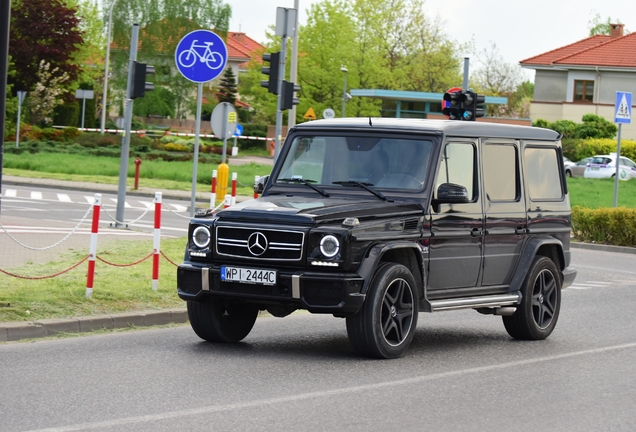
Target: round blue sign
201	56
239	130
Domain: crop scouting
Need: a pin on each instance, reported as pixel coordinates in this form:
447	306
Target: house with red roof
583	78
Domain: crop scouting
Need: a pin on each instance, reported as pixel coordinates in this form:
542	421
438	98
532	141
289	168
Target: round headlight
329	246
201	237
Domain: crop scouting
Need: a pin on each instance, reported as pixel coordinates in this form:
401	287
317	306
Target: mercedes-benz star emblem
257	243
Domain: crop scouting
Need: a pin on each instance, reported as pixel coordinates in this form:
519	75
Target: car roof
446	127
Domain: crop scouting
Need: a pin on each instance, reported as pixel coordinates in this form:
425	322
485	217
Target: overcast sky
521	29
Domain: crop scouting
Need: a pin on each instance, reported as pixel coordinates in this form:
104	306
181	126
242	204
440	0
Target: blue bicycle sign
201	56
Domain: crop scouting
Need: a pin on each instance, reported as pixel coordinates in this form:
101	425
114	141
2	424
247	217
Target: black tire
568	173
386	323
218	320
538	312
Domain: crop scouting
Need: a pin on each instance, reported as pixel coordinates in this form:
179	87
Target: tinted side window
501	174
543	173
458	166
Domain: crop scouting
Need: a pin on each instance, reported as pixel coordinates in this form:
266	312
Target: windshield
387	163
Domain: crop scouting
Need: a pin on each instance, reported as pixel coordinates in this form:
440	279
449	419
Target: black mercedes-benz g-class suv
374	220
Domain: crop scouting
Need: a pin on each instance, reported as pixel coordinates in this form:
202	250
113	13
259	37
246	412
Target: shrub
53	134
577	149
70	133
593	126
616	226
30	133
174	147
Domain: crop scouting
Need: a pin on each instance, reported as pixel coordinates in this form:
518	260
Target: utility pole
293	74
5	14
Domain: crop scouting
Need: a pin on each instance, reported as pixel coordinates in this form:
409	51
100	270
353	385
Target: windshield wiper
306	182
363	185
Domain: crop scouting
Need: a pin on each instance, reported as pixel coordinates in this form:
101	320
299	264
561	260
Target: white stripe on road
110	424
10	193
36	195
146	203
126	205
179	207
89	199
64	198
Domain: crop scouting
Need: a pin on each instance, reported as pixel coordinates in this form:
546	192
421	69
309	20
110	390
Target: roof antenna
370	124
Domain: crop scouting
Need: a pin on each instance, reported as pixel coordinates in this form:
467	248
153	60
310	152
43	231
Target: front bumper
317	292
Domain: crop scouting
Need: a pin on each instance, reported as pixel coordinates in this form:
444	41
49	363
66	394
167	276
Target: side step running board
476	302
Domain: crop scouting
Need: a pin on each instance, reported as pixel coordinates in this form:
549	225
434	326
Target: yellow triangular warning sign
310	114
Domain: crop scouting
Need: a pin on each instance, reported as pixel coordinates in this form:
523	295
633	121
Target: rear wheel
385	325
537	314
219	320
568	173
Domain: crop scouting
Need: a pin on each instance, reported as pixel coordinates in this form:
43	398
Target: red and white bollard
256	178
234	180
92	249
156	242
213	196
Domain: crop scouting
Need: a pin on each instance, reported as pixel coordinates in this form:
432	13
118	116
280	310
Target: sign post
83	95
224	121
21	96
622	115
200	56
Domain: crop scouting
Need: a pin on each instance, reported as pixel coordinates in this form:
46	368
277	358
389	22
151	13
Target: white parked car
604	166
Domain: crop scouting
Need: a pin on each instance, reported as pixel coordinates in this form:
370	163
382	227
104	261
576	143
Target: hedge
615	226
577	149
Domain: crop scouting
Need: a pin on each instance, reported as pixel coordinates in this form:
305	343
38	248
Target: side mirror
259	185
451	193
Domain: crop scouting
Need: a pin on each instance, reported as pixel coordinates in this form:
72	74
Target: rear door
504	203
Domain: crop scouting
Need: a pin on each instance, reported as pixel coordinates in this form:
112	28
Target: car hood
310	211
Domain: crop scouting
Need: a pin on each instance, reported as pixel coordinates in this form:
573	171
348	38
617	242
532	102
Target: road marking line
179	208
36	195
146	203
610	269
11	193
89	199
126	205
335	392
64	198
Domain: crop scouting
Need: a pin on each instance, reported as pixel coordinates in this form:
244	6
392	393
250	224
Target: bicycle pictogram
212	59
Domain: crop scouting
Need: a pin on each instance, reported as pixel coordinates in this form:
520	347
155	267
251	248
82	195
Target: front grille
282	245
189	281
321	293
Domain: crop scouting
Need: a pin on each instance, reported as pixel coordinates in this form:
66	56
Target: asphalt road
462	372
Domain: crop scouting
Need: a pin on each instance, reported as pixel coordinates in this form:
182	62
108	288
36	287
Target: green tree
227	87
162	25
599	26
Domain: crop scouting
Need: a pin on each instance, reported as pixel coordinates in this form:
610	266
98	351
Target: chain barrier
45	277
124	265
174	212
53	245
168	259
129	223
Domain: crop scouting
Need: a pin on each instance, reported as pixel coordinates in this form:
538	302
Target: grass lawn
101	169
598	193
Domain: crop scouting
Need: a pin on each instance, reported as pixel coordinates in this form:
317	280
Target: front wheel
537	314
385	325
219	320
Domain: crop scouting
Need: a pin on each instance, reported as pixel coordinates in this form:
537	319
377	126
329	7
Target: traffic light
139	84
469	105
272	83
463	105
452	102
287	96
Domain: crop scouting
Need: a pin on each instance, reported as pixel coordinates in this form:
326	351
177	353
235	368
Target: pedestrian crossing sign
623	110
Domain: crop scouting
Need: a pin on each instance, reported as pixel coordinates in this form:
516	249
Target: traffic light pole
279	107
125	142
466	66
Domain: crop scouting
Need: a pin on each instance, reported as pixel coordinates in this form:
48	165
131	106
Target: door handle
476	232
520	231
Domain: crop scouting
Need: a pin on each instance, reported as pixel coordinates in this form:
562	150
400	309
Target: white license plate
248	275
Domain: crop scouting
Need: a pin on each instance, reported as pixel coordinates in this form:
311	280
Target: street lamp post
105	92
344	90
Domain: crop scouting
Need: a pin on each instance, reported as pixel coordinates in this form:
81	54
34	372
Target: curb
13	331
603	247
